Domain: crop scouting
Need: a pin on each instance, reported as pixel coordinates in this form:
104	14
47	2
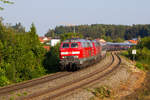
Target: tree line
108	32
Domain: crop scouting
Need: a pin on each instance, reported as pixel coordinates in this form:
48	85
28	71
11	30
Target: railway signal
133	53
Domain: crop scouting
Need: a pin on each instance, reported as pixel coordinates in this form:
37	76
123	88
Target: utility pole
74	29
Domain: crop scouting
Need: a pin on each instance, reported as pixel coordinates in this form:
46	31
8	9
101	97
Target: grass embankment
142	93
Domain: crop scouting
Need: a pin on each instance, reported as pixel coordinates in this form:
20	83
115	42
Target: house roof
44	39
133	41
101	40
47	48
41	39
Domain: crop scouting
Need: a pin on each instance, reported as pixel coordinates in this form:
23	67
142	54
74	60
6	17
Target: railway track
53	93
30	83
8	90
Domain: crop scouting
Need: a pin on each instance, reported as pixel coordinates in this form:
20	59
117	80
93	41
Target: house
133	41
41	40
47	48
101	40
44	39
54	42
46	42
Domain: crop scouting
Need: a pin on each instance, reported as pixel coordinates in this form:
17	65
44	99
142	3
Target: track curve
75	84
30	83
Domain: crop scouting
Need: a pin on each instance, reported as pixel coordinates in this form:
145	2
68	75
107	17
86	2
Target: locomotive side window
89	44
74	45
65	45
86	44
83	44
97	44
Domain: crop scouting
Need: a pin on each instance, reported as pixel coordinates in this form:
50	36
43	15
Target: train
119	46
79	53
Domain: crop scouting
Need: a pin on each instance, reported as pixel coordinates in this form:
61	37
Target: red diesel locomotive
79	53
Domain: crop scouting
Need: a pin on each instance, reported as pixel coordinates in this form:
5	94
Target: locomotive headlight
64	53
76	52
63	57
76	57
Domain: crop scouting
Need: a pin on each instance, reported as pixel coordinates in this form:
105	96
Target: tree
118	40
21	55
70	35
50	33
33	37
6	2
19	28
124	32
51	62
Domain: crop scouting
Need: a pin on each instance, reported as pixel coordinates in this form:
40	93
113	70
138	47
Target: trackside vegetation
142	57
22	56
143	62
101	93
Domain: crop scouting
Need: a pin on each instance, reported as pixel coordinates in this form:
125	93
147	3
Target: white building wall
53	42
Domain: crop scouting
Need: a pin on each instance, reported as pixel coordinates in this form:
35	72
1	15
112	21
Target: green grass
101	92
12	98
124	53
25	93
18	94
140	66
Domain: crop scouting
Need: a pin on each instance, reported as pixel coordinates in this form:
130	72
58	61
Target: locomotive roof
76	40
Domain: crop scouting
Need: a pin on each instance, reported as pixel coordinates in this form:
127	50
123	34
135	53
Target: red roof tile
47	48
133	41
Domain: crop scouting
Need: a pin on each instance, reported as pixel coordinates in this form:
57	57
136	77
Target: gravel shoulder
40	87
122	82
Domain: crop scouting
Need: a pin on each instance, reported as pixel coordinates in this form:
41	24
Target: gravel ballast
122	82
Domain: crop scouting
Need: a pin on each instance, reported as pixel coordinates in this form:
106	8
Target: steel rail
50	90
83	84
14	87
30	83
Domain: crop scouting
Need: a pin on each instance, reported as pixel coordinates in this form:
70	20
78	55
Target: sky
47	14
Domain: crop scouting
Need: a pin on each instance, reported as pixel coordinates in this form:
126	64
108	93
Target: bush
125	53
101	92
140	65
51	61
4	81
143	54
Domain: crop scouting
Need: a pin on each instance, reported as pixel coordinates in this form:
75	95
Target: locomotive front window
65	45
74	45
